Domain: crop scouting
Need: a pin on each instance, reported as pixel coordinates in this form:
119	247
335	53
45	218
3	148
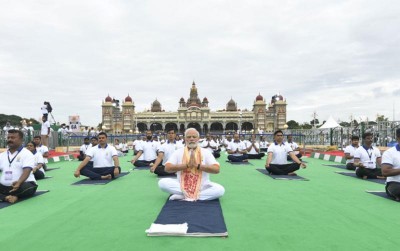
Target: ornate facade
194	113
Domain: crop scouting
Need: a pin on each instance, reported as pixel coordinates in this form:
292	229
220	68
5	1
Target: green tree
292	124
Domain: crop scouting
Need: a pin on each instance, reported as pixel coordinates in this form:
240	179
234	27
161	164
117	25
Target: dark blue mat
6	204
281	177
240	163
204	218
381	194
337	166
379	181
98	182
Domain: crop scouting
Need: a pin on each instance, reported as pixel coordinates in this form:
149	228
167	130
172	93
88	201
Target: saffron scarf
191	177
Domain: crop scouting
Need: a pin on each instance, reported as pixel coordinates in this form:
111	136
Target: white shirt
392	157
44	109
264	144
149	150
12	172
204	145
236	146
350	150
102	157
42	149
84	148
45	128
168	149
207	159
367	157
39	160
253	150
123	147
294	146
279	153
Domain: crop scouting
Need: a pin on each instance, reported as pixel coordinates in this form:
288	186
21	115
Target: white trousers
210	191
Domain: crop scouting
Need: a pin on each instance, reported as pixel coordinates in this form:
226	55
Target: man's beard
192	145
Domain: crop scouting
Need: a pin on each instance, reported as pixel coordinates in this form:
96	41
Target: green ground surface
328	212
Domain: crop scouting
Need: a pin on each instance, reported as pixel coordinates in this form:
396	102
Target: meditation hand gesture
303	165
192	161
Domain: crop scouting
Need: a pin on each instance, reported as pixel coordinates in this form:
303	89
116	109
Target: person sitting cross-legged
105	161
193	165
237	150
277	157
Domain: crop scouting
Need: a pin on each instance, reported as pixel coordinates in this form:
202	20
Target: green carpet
328	212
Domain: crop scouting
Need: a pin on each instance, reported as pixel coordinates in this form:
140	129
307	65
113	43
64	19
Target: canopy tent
330	123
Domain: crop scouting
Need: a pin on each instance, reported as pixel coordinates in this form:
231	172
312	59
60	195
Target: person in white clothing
277	157
45	131
16	164
253	149
237	150
37	170
193	165
391	169
148	149
349	152
105	161
366	159
165	151
84	148
295	147
42	149
124	146
263	145
210	145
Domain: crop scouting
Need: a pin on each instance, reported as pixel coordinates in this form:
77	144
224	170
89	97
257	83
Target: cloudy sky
336	57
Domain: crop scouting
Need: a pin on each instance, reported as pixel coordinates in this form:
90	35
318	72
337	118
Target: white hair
192	129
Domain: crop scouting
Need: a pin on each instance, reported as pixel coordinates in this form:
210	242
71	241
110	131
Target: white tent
330	123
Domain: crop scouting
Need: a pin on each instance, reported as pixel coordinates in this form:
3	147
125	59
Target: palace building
122	118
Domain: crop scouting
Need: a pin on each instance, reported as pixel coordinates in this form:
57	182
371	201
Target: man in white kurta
193	165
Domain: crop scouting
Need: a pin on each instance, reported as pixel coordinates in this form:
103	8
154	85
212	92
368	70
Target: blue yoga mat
204	218
98	182
4	204
379	181
380	194
240	163
281	177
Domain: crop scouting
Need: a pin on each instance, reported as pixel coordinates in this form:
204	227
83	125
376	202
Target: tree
15	120
344	124
314	122
306	126
292	124
381	118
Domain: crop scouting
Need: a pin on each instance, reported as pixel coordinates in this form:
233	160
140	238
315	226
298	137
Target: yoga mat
98	182
337	166
282	177
51	169
380	194
379	181
142	168
4	204
204	218
240	163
